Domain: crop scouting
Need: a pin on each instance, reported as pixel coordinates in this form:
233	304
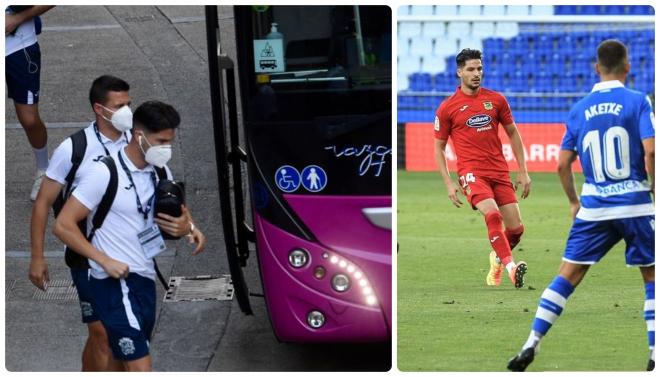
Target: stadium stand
541	67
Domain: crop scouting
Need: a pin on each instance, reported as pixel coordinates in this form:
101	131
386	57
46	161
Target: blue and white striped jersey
606	129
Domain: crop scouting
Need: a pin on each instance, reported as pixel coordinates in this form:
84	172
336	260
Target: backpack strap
161	173
78	149
108	197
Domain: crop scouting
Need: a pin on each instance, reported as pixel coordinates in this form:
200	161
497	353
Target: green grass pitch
449	320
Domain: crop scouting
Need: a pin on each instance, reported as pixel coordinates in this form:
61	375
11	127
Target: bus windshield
324	48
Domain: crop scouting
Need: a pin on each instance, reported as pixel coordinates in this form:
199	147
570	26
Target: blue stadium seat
420	82
640	10
590	9
614	9
565	9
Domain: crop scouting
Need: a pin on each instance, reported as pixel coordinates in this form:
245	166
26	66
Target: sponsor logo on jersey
488	105
477	121
436	124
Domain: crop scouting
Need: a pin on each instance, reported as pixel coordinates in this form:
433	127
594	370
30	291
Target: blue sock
552	304
649	312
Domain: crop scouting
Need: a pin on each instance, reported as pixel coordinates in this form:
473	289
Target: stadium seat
409	64
614	9
402	80
446	10
445	46
458	29
470	42
506	30
421	10
494	10
433	64
590	9
434	29
565	9
403	46
420	82
517	10
403	10
421	46
469	10
483	29
541	10
640	10
410	29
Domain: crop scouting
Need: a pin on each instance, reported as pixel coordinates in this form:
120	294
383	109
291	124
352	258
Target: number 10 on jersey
615	144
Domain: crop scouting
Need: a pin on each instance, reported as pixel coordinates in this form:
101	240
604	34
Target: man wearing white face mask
110	102
121	251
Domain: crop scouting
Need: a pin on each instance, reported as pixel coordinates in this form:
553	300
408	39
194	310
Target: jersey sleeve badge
436	124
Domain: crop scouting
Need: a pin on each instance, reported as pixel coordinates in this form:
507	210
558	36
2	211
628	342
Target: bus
315	144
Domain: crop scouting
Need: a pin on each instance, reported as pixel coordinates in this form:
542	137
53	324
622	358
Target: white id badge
152	241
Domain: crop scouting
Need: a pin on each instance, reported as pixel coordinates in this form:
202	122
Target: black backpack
79	146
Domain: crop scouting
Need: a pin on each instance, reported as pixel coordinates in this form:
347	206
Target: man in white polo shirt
122	249
110	102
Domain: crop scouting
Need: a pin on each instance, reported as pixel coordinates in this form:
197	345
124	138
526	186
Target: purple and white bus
315	93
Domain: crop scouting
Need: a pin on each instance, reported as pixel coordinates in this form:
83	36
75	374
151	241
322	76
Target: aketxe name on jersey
603	108
606	129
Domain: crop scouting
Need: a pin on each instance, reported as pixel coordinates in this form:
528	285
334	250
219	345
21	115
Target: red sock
496	236
513	235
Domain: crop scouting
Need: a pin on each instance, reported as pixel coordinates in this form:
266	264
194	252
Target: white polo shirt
25	36
118	237
60	162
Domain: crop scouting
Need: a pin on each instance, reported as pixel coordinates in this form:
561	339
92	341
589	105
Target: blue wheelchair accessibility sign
314	178
287	178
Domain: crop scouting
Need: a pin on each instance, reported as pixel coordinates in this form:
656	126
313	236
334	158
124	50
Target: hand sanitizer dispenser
274	34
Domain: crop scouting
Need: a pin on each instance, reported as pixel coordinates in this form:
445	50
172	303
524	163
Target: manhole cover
57	290
200	288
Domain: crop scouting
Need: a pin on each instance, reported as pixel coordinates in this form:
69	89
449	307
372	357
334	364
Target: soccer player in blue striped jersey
612	131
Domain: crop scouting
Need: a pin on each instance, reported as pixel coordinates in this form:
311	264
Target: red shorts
477	188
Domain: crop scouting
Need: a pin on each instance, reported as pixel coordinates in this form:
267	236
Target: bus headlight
341	283
298	258
315	319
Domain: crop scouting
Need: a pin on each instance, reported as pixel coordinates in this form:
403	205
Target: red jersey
473	122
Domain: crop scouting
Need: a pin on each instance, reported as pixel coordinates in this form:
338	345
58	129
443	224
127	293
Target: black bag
79	146
170	195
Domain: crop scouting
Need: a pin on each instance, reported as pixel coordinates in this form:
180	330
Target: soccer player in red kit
472	117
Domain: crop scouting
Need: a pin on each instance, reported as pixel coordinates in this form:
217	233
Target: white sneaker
37	184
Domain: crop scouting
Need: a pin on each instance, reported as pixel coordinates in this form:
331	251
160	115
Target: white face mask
156	155
121	119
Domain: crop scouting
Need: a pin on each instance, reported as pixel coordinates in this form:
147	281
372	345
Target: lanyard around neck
144	211
98	136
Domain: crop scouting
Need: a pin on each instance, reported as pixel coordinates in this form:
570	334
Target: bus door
315	85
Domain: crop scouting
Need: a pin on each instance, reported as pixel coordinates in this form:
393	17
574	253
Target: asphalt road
161	52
